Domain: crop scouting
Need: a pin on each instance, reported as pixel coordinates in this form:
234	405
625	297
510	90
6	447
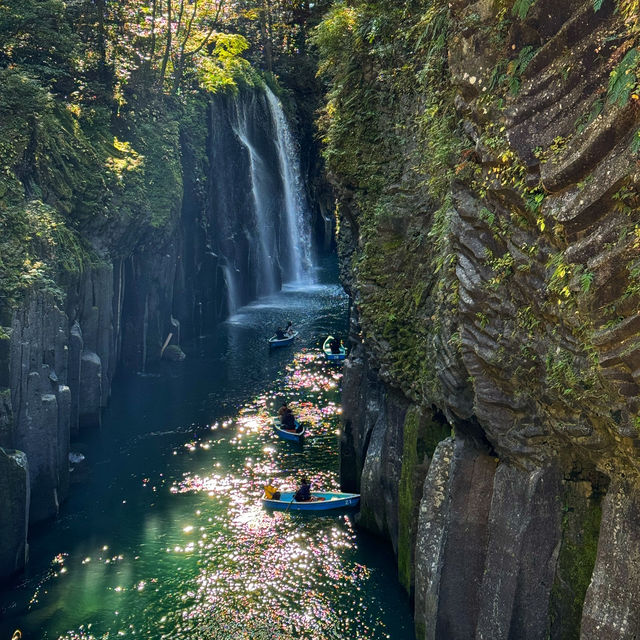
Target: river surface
163	535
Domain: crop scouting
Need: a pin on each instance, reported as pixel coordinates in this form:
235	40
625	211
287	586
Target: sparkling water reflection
166	538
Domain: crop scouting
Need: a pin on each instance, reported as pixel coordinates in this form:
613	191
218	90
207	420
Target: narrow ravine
164	536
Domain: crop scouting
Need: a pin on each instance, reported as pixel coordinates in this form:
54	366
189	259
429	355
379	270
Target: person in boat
335	345
282	410
280	335
289	330
271	492
303	494
288	420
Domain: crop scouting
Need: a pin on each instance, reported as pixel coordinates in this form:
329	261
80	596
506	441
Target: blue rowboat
329	355
324	501
286	434
283	342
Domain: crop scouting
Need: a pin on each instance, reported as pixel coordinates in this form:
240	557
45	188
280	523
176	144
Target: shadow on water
163	535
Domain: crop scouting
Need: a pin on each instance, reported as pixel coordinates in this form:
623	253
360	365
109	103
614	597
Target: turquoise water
164	536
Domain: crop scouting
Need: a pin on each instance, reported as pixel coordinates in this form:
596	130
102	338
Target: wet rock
76	346
430	540
612	604
90	414
523	311
14	506
174	353
6	419
524	534
464	555
40	399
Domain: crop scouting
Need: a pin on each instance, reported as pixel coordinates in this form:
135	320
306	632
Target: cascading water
261	192
299	265
233	298
257	220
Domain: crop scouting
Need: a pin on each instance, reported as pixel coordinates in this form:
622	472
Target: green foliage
390	129
38	38
560	278
419	439
572	376
100	105
586	280
225	68
330	35
576	559
517	67
623	79
630	11
597	4
596	109
159	143
521	8
35	246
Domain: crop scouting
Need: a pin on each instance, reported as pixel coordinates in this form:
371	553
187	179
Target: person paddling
303	494
288	420
289	330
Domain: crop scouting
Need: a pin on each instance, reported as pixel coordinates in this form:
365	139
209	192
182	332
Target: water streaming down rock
257	204
263	192
299	267
232	293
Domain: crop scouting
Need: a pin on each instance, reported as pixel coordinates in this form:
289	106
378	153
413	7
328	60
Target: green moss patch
580	533
421	435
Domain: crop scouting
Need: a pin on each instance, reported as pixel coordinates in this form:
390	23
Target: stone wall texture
509	306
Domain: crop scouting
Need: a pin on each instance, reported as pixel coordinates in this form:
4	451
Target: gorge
484	162
226	250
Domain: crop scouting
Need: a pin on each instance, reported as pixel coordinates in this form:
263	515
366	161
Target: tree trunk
265	34
167	50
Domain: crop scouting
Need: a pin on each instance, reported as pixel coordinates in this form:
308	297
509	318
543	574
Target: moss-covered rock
421	434
485	154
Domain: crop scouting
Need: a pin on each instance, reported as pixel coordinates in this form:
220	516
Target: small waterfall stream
262	194
233	298
295	200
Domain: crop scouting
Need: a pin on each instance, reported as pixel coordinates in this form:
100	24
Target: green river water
163	535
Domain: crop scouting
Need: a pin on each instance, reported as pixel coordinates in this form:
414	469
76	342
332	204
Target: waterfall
299	263
233	297
260	191
257	221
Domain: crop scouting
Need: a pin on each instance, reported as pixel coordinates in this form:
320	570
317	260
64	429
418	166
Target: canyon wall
150	281
486	155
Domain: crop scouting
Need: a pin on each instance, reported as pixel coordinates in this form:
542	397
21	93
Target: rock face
14	501
488	167
132	306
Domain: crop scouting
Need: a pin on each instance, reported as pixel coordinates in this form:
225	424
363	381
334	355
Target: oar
290	503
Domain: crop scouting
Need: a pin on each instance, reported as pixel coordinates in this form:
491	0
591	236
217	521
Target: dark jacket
288	421
303	494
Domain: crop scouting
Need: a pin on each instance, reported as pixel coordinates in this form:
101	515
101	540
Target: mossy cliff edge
486	158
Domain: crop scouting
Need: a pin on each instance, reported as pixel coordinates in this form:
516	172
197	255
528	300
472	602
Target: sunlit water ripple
166	537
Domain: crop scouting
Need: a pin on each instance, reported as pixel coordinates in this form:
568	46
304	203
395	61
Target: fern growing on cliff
521	8
517	67
623	79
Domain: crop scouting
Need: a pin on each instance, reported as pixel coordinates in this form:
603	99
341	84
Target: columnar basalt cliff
486	155
146	279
